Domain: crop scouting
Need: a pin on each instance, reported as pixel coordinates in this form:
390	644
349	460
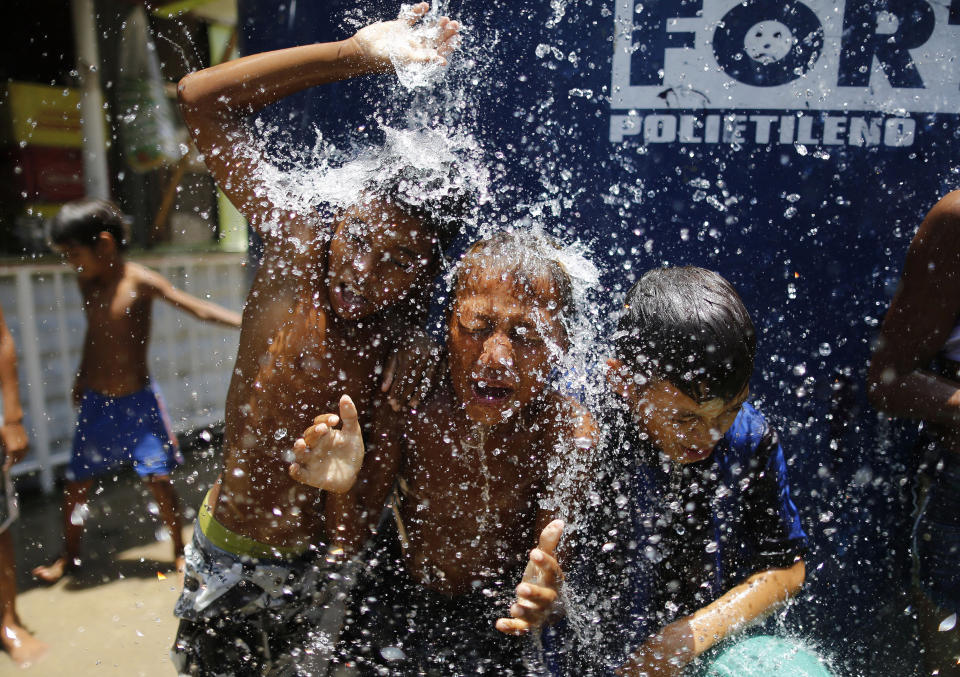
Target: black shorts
245	617
395	626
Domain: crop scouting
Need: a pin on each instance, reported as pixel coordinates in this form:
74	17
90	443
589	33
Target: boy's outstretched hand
540	586
386	43
328	458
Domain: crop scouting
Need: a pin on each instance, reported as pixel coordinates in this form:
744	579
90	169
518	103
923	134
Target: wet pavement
113	617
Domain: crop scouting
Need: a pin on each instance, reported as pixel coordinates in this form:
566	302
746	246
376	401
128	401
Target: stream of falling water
474	443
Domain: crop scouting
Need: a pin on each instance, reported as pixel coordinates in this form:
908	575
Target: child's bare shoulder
950	203
145	278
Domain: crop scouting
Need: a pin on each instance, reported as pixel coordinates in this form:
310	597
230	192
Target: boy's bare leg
169	504
23	647
74	496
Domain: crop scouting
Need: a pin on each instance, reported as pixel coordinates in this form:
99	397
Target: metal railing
190	360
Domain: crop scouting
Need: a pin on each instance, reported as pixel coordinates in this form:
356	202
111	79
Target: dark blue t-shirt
670	539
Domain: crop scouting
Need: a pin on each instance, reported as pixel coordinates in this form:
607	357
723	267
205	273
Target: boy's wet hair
80	223
523	257
688	326
441	200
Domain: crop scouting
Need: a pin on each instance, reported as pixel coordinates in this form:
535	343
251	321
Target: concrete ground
115	617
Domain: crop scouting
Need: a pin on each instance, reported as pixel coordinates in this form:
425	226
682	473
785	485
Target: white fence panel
191	361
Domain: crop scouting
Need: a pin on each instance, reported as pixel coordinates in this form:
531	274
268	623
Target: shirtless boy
24	649
915	372
122	417
474	469
331	303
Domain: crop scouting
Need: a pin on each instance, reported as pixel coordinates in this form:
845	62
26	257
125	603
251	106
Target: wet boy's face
376	255
499	342
685	430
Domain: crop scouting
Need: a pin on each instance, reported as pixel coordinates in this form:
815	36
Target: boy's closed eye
474	326
404	259
526	335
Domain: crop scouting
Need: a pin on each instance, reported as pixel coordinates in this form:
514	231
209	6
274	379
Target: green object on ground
765	656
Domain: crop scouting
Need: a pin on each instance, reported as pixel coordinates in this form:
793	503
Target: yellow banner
40	115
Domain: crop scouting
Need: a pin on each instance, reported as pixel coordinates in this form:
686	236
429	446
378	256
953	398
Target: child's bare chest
119	311
455	471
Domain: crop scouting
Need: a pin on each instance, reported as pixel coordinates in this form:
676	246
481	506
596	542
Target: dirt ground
115	617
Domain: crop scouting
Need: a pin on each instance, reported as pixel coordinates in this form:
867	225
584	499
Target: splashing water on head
434	173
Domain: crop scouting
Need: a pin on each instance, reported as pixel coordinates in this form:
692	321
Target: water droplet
948	623
392	653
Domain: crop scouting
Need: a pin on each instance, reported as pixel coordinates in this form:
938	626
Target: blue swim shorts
129	430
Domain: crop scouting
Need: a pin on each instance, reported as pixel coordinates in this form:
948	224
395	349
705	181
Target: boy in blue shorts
122	419
700	534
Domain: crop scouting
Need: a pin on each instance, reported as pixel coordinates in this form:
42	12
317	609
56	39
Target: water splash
414	75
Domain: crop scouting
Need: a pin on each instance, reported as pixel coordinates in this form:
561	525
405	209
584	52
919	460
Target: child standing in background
24	648
122	417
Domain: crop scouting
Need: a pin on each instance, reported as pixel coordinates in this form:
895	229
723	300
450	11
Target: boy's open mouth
491	391
348	297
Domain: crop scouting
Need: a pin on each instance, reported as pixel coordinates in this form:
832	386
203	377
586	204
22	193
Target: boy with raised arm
915	373
481	469
704	536
122	417
331	303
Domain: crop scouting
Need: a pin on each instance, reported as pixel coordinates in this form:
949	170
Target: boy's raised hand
329	458
540	586
386	43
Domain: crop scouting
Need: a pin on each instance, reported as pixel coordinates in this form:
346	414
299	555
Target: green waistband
239	544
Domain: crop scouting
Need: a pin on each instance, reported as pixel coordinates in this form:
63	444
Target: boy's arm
411	373
918	323
677	644
12	434
160	287
216	101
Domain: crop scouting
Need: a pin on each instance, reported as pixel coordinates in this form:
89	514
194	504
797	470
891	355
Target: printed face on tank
813	72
